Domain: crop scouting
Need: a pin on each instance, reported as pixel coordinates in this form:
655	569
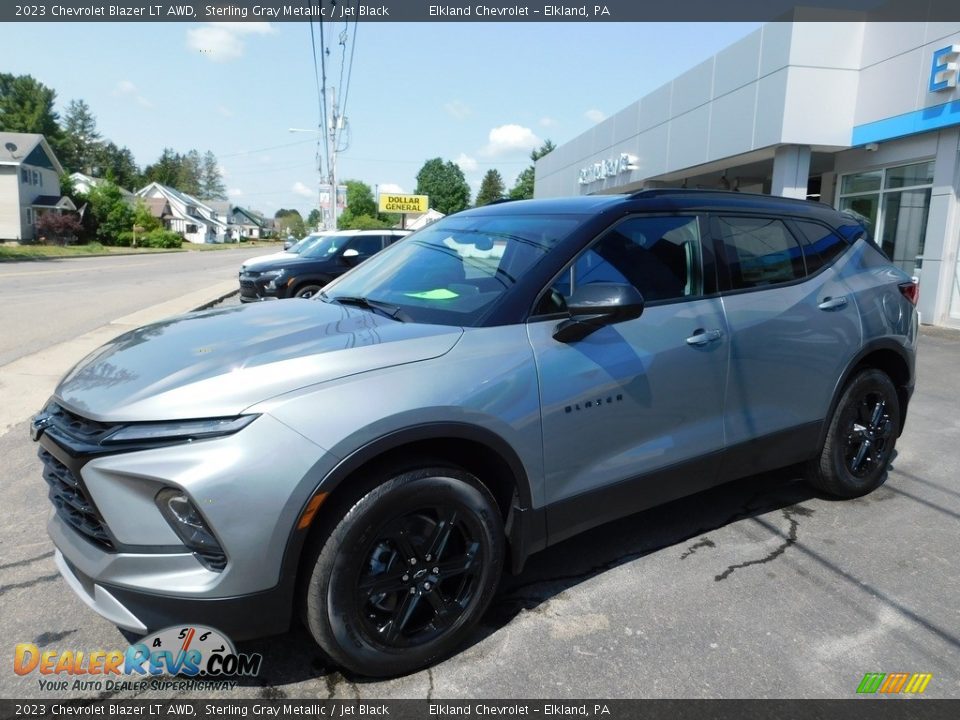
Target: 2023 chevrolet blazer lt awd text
368	460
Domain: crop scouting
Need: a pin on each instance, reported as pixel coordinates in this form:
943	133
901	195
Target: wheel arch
477	450
883	354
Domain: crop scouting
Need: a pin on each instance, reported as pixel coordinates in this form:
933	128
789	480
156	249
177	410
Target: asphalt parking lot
759	589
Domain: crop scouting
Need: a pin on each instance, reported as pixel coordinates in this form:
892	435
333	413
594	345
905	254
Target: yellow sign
404	203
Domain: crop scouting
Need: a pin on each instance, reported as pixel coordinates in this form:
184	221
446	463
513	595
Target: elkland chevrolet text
495	383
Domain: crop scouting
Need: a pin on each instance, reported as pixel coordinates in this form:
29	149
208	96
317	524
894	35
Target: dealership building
864	116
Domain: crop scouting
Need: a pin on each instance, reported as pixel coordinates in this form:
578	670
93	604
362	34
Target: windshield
304	244
324	246
455	271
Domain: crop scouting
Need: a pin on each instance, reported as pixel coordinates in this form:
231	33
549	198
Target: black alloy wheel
403	574
860	438
420	575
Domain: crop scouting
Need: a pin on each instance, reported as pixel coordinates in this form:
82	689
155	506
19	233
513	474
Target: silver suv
369	459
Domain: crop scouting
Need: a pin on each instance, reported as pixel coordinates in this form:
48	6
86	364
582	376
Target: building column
791	170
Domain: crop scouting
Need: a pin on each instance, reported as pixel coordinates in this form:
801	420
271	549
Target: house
251	224
430	216
185	214
85	183
29	184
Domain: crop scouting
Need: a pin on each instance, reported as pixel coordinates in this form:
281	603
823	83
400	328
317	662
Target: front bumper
250	488
255	290
241	618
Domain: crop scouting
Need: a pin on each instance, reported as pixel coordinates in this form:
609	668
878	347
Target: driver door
632	414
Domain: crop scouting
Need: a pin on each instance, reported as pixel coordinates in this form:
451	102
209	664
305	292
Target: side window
759	252
821	245
660	256
366	245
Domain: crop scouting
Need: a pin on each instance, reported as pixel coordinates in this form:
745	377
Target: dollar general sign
404	203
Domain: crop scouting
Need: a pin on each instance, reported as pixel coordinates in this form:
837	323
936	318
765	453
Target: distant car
317	262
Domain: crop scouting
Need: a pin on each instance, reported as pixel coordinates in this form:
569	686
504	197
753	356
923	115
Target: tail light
910	290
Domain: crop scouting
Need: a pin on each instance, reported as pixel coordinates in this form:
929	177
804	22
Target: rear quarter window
821	245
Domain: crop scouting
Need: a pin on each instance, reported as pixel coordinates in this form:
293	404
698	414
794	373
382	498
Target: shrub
54	228
154	239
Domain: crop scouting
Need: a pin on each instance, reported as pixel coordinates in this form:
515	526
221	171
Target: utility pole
333	123
334	120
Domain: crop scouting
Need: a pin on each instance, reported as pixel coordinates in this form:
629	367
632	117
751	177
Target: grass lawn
43	252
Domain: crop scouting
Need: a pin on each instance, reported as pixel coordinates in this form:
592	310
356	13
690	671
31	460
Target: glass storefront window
895	202
862	182
909	175
866	206
905	225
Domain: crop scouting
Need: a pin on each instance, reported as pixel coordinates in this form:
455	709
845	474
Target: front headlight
179	430
272	277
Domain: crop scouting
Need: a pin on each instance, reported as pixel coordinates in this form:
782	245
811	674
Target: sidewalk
26	383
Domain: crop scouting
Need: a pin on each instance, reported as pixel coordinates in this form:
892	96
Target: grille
76	427
71	501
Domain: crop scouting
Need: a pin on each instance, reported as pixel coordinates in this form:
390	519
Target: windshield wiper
391	311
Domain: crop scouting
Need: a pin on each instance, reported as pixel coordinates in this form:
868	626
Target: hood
288	260
219	362
255	263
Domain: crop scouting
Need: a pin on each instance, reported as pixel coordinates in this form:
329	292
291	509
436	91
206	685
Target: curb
211	303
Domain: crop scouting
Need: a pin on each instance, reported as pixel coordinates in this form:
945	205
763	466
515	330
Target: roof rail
660	192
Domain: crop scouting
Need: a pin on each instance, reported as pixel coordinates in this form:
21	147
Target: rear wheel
406	573
860	438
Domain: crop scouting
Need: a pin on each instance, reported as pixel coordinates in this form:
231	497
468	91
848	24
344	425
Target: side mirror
350	256
596	305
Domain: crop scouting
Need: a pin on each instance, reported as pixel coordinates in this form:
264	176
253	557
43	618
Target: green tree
492	188
445	184
211	180
523	188
290	222
190	174
111	212
26	105
165	170
313	219
143	218
81	140
360	203
117	165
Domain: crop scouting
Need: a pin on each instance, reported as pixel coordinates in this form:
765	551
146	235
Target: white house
29	184
192	218
85	183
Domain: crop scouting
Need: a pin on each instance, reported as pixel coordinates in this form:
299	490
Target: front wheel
860	438
406	573
307	291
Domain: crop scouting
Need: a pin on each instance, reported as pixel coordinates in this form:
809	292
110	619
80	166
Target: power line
346	89
263	149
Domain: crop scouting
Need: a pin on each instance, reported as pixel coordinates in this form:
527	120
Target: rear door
793	329
632	415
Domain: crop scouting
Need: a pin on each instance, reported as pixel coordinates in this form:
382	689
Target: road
51	301
759	589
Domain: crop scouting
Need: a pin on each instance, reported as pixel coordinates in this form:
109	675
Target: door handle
833	303
704	337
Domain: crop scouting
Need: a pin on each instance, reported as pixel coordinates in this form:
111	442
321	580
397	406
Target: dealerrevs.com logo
202	657
894	683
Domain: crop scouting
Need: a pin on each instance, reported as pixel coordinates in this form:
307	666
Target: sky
480	94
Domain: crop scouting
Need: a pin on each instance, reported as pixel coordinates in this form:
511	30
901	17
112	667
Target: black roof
659	199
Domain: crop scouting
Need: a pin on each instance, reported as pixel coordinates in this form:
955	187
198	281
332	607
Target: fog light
190	527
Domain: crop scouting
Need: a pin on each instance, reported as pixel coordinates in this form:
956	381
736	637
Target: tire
374	601
308	291
860	438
